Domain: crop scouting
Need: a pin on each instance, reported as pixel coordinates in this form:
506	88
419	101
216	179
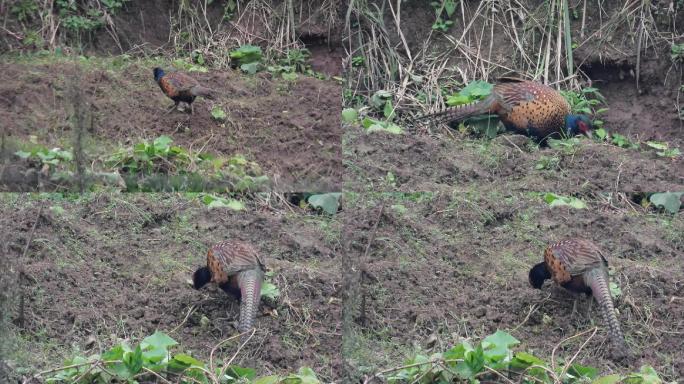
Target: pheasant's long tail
457	113
205	92
250	291
598	281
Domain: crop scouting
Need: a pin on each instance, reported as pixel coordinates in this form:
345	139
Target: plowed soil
111	267
449	266
291	129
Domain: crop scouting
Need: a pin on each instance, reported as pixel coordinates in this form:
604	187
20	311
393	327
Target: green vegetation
247	57
554	200
492	359
587	102
670	201
445	6
154	358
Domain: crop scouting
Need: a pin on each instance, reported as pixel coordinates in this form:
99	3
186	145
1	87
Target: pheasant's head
578	125
201	277
158	74
538	274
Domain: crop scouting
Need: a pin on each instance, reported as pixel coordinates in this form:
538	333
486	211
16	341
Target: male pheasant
526	107
580	266
180	87
237	269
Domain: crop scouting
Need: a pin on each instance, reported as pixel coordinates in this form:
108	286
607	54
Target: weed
663	149
622	141
448	6
492	357
153	358
554	200
677	53
548	163
247	57
587	102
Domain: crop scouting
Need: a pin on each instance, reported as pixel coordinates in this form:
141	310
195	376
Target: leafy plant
372	125
474	91
677	53
218	114
487	360
663	149
622	141
213	201
328	202
349	115
297	59
247	57
154	358
549	163
358	61
47	157
448	6
671	201
559	201
24	10
587	101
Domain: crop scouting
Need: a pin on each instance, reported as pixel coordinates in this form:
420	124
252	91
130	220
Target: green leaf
500	338
250	68
349	115
158	340
289	76
328	202
450	7
134	360
267	380
557	201
23	154
218	114
389	110
671	201
188	360
610	379
269	290
457	99
657	145
477	89
615	290
581	371
385	127
601	133
219	202
246	54
239	372
162	143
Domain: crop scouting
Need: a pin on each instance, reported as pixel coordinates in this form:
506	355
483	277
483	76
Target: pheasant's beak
589	133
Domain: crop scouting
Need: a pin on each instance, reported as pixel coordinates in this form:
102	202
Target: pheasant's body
525	107
237	269
580	266
180	87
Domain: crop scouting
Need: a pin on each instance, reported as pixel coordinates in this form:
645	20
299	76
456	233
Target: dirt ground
449	266
120	266
291	129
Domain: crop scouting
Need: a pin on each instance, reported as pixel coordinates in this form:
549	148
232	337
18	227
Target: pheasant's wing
578	255
512	94
236	256
180	81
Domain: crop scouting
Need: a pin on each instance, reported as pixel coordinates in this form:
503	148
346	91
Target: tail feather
205	92
458	113
598	281
250	290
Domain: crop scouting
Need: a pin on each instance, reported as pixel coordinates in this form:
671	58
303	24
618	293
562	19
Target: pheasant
239	271
180	87
525	107
579	265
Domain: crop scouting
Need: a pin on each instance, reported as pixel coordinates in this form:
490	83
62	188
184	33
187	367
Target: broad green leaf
218	114
158	340
615	290
557	201
457	99
385	127
477	89
389	110
134	360
349	115
250	68
269	290
450	7
610	379
671	201
162	142
328	202
239	372
267	380
23	154
581	371
657	145
235	205
187	360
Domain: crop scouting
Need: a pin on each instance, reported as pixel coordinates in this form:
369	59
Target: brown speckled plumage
237	268
526	107
580	266
180	87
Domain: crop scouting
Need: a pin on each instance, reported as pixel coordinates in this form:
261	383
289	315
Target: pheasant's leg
192	112
574	306
171	108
